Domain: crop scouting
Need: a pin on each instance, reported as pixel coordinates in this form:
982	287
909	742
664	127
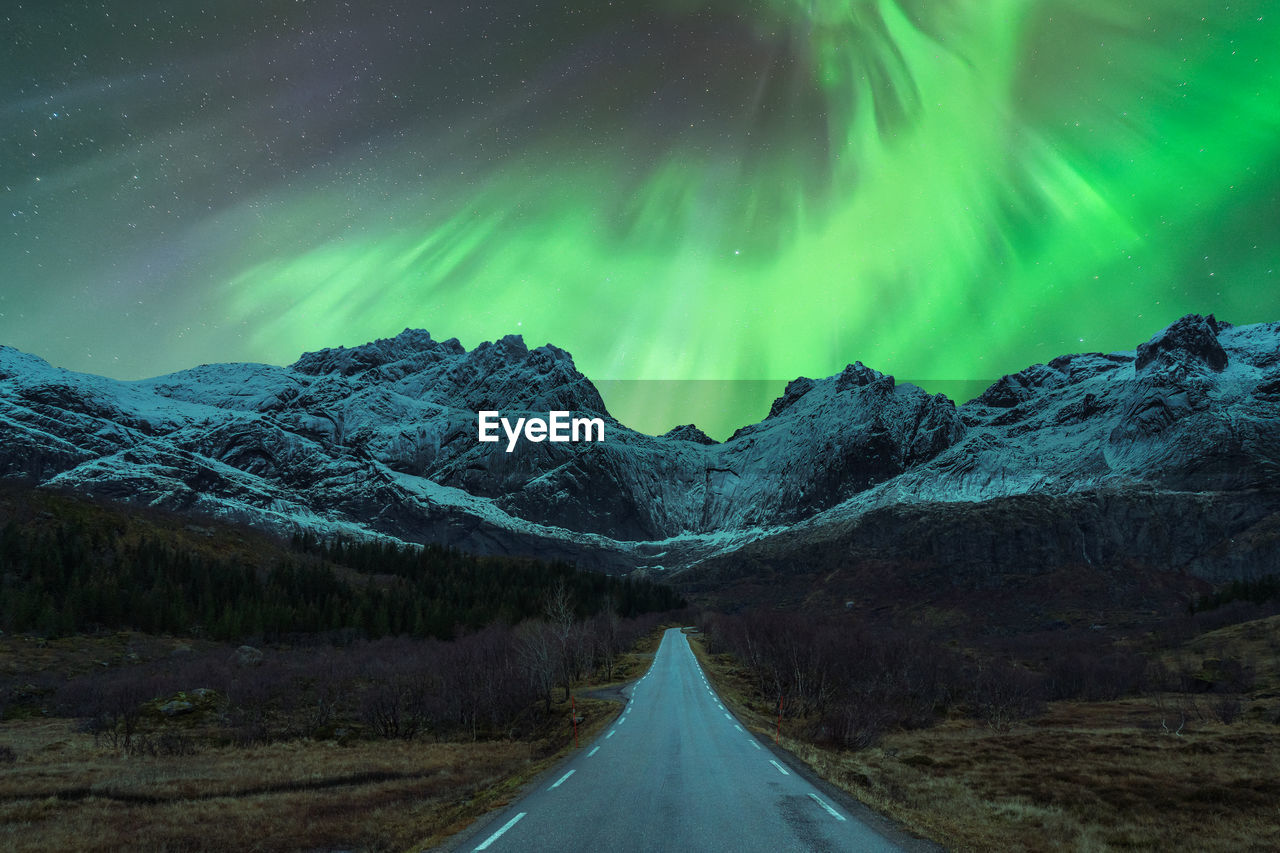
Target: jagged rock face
383	437
1191	343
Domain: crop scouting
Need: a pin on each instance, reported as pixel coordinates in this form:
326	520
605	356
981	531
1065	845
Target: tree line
1261	590
70	575
848	682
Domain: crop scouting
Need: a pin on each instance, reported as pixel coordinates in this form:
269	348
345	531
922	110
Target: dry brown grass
64	792
1084	776
23	655
1256	643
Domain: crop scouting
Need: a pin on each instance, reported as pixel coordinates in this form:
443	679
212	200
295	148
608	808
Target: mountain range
1158	462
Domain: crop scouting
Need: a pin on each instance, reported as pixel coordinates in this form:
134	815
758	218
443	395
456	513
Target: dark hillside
69	564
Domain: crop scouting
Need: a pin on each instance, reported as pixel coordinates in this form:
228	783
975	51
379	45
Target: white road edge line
835	814
727	717
738	727
781	769
623	720
593	752
757	746
498	834
561	780
611	733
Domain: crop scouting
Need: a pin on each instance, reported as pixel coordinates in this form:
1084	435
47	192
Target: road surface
676	771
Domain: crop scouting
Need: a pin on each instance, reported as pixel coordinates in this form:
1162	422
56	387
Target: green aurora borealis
671	190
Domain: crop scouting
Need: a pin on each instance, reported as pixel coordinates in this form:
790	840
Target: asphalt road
676	771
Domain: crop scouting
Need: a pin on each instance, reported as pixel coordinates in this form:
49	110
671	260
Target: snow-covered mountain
382	439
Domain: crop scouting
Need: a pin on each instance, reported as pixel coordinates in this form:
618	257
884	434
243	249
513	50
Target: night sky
671	190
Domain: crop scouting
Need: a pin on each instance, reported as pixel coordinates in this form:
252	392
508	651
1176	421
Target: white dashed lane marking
835	814
781	769
593	752
560	781
498	834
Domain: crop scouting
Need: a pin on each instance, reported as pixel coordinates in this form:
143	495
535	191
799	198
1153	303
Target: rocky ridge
1182	435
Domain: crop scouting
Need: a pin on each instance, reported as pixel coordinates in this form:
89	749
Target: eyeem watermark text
557	426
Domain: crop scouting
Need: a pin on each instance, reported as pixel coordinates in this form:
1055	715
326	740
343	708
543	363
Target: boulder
248	656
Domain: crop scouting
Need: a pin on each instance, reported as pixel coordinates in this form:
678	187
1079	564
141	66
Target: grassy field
1160	772
65	793
62	789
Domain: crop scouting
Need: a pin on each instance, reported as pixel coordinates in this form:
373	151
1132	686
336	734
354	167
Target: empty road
676	771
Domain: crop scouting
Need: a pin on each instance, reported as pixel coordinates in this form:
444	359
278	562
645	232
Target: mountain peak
856	375
1190	342
513	343
689	432
795	389
408	345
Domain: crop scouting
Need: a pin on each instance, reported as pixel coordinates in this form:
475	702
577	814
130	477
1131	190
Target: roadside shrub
852	683
1095	675
1227	708
1003	695
110	704
164	744
478	685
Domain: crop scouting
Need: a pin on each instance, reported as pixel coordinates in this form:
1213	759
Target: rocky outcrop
689	432
1189	344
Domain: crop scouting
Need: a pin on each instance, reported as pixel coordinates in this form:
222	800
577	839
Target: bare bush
538	652
482	672
110	704
164	744
1003	695
1176	712
1094	674
852	682
858	721
1227	708
386	708
607	637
